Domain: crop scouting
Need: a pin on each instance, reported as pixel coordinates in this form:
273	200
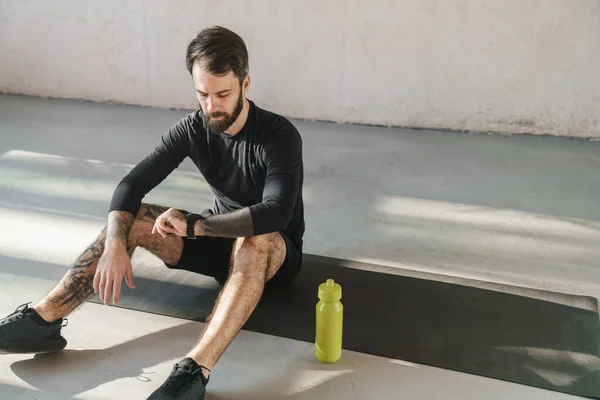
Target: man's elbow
282	213
283	223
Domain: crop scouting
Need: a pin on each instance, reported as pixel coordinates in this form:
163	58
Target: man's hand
171	221
113	265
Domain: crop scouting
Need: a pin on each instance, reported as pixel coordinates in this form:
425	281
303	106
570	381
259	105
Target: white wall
510	66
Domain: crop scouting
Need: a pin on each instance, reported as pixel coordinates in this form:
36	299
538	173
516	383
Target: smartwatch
191	219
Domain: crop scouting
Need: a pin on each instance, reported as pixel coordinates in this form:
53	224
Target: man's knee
168	249
140	233
262	251
141	229
260	244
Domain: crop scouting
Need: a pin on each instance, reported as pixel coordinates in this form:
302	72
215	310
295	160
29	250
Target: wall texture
527	66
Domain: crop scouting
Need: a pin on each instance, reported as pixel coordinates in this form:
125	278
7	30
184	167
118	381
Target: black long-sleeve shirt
260	168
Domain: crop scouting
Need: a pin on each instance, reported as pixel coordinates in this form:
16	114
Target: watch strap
191	219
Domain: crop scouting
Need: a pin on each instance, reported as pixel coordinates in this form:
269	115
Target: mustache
217	114
213	115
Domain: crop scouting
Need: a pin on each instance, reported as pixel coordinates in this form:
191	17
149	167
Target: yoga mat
532	337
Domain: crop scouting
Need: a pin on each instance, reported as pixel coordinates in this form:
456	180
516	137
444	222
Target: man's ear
246	84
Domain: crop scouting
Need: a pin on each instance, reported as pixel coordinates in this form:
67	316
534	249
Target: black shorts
211	256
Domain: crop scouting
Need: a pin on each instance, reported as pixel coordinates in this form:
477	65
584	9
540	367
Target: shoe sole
46	345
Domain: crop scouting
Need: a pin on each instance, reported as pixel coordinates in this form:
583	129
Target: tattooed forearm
119	224
235	224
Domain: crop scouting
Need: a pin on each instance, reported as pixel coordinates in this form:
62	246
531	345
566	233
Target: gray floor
519	210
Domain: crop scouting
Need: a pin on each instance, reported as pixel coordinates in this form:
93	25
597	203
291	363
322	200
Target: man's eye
223	95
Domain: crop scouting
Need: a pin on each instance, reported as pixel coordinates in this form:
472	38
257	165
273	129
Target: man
252	238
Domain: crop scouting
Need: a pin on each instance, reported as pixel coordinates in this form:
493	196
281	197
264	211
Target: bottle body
329	323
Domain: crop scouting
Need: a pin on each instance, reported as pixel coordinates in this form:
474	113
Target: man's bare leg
256	259
77	284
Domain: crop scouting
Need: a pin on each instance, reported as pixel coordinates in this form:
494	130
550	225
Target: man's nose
212	105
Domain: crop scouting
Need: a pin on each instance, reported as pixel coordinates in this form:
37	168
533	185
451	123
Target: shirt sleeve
171	150
283	158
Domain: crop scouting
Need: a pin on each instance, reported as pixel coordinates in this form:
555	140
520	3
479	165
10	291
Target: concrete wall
513	66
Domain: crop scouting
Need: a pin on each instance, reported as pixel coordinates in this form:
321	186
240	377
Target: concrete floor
519	210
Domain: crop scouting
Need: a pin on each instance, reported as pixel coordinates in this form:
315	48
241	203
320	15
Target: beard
223	124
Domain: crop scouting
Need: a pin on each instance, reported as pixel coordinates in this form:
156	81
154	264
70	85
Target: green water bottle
330	312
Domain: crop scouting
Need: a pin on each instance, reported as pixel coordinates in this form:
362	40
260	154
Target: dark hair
220	51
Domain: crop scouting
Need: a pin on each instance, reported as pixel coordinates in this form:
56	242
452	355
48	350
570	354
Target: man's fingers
129	278
116	290
96	280
101	289
169	229
179	226
157	225
164	226
107	290
160	231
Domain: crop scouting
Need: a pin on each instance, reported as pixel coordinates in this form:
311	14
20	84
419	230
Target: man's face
221	98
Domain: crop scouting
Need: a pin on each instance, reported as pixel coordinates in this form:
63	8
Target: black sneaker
24	331
186	382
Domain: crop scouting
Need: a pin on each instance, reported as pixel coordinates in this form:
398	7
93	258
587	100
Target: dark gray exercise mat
516	338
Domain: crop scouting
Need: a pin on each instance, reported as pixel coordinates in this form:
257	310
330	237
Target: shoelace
19	312
177	382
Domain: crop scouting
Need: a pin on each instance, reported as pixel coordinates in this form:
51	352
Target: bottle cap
330	291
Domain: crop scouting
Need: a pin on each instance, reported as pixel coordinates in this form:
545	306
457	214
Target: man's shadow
69	372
